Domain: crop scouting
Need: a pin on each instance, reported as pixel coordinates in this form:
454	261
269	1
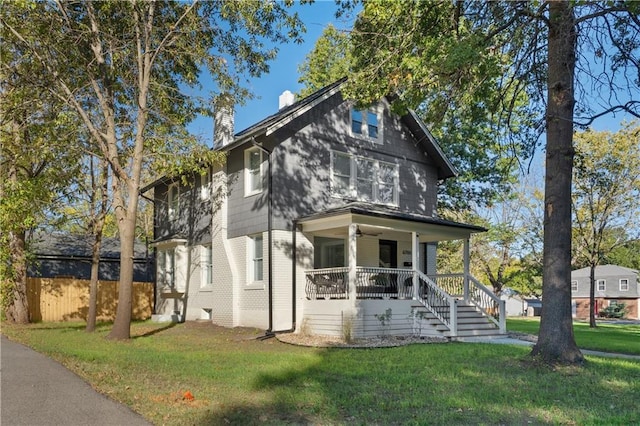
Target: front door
388	254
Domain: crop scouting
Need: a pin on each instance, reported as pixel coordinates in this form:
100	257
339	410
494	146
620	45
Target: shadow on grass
156	330
438	384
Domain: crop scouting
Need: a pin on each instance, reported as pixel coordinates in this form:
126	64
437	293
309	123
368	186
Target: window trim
620	284
252	280
205	186
167	256
604	284
247	177
574	286
364	123
173	211
206	266
352	192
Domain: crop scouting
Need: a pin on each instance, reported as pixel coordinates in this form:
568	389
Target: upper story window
602	285
253	171
174	201
205	186
574	285
624	284
366	123
364	179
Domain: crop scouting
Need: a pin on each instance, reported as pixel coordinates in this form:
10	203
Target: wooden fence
66	299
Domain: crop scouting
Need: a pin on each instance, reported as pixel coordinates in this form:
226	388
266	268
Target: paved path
514	341
35	390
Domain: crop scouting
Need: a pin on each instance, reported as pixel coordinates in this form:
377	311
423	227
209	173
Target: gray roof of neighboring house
604	271
79	246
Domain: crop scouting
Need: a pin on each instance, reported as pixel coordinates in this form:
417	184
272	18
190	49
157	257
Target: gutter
269	333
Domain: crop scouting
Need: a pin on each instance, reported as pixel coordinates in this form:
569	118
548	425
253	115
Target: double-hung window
174	201
253	171
206	265
574	286
205	186
256	262
602	285
624	284
364	179
366	123
166	268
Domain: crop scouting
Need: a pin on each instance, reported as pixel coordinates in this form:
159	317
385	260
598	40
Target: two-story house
614	285
323	220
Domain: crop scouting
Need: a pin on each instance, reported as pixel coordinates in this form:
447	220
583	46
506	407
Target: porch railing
328	283
490	304
437	301
451	283
384	283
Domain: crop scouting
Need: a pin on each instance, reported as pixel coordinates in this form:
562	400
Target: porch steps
470	323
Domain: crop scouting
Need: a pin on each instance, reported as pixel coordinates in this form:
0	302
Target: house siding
301	168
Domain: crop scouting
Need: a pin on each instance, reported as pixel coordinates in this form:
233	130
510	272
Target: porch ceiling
386	223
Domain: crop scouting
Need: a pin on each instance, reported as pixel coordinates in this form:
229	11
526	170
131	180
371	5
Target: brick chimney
222	120
287	98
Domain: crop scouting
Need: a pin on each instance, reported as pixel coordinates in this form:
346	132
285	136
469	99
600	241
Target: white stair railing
488	303
437	301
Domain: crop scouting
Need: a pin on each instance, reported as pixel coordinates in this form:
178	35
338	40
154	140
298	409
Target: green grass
237	379
619	338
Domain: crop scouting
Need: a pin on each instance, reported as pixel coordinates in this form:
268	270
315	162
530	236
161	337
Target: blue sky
283	75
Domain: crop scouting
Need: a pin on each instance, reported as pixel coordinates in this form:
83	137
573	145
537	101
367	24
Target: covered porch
375	273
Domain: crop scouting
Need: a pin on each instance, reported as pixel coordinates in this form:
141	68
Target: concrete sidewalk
39	391
513	341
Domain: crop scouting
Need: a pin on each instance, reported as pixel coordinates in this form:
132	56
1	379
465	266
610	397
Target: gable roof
415	125
603	270
79	247
269	124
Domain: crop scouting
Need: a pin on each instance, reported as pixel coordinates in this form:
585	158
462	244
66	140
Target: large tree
606	190
472	57
38	160
123	67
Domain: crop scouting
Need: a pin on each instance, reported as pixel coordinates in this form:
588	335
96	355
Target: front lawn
237	379
619	338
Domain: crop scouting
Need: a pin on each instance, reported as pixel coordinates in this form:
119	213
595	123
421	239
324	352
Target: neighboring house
69	256
322	220
516	305
613	285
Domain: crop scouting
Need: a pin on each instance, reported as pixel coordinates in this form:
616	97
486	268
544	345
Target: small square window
366	123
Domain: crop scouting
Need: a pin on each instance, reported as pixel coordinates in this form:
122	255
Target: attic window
366	124
624	284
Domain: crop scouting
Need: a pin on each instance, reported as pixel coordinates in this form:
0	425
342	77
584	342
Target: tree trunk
122	325
93	285
556	342
18	309
592	296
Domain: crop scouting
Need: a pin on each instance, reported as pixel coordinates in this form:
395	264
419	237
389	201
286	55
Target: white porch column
352	262
466	257
415	258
